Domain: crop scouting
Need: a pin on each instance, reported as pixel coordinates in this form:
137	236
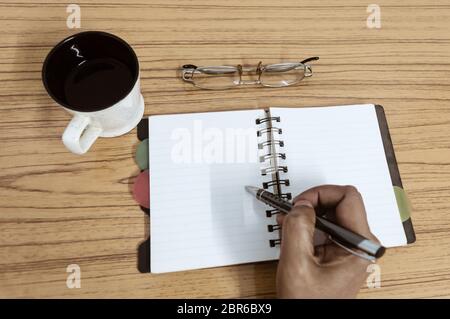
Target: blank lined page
342	145
200	214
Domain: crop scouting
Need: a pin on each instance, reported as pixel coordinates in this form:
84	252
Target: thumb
298	227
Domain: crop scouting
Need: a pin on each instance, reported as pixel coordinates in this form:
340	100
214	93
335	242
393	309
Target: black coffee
97	84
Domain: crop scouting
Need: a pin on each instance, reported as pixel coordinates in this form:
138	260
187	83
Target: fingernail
304	203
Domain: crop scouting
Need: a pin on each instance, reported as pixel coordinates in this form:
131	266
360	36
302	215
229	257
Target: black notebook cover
395	175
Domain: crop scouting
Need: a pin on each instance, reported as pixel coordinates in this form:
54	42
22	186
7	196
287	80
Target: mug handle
80	134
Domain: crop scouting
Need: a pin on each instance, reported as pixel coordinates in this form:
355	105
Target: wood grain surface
58	209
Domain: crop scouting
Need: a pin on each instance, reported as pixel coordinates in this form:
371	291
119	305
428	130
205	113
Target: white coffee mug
94	76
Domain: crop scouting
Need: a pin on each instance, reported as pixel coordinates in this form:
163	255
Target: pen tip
251	189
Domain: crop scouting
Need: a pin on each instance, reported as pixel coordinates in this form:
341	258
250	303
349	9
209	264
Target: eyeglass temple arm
189	66
314	58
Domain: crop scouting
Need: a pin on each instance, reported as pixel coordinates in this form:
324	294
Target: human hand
325	271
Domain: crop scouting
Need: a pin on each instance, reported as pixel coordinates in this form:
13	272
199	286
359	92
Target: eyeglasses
226	77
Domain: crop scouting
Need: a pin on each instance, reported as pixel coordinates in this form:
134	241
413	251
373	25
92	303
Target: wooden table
58	209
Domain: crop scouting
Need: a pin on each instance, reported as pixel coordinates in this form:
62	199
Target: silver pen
342	236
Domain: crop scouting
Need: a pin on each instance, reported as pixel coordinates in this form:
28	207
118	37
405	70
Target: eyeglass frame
189	69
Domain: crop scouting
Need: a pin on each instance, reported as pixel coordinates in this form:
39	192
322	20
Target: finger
347	203
280	218
297	243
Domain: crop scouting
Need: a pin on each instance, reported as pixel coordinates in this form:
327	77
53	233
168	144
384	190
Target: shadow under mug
95	76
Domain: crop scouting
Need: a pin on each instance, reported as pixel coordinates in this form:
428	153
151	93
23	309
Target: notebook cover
402	200
143	250
142	129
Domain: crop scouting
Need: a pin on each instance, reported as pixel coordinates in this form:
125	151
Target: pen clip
351	251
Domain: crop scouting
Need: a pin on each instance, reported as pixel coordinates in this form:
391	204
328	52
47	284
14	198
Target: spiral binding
267	119
272	157
286	196
270	143
271	212
268	130
285	182
274	242
272	169
272	228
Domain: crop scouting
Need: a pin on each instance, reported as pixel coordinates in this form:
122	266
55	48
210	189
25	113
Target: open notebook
201	216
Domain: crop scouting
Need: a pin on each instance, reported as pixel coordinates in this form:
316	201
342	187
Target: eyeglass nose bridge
250	82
